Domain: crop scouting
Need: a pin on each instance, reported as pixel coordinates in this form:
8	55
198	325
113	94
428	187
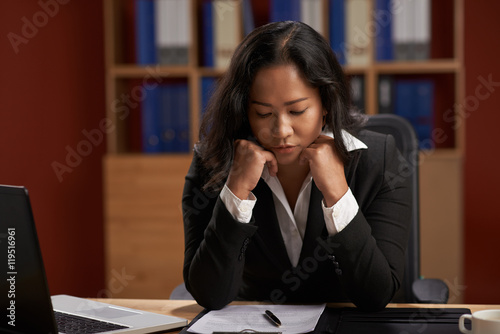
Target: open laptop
24	293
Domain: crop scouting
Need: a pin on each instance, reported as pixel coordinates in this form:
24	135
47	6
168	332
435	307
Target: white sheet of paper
235	318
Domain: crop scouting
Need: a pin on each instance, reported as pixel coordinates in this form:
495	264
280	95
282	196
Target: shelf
427	67
134	71
355	70
211	72
415	67
407	67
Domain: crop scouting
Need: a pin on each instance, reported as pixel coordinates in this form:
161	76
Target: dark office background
52	91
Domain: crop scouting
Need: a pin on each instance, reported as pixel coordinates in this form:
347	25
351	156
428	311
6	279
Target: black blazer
227	260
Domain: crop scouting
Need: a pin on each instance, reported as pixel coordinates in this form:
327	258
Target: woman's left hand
326	168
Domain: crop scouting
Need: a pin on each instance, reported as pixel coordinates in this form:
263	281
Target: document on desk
235	318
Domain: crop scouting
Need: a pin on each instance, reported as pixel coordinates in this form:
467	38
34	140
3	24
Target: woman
285	200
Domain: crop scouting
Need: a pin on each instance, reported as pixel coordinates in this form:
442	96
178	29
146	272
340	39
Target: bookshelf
143	191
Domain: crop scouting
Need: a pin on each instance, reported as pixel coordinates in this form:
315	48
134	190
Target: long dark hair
279	43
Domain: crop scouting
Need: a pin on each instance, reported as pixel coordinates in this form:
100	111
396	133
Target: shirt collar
351	143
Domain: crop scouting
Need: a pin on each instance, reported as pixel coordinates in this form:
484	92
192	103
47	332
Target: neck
293	171
291	178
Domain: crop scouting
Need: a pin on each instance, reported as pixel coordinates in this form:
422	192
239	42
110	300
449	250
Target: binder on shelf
411	31
357	36
402	30
174	118
337	29
284	10
181	120
307	11
150	113
385	94
383	40
165	119
145	32
226	17
424	105
173	26
312	13
208	34
414	100
357	83
248	19
422	36
207	89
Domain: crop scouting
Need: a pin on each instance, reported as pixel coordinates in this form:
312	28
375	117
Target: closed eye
298	112
263	115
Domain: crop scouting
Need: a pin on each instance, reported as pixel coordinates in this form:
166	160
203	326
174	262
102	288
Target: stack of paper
235	318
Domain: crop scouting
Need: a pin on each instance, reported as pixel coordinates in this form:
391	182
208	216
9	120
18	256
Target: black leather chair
414	289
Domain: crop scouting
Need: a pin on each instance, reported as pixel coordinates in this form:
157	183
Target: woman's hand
248	163
326	168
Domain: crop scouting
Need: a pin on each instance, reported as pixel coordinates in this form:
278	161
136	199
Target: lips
284	149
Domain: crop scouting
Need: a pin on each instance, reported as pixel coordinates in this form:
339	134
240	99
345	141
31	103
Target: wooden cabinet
144	228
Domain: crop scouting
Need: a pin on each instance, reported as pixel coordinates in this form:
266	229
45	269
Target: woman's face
285	112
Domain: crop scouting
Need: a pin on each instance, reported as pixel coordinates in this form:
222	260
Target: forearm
214	257
365	272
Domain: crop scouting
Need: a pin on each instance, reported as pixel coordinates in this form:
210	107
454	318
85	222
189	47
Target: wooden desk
188	309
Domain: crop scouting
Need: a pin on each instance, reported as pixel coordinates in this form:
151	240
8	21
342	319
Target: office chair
180	293
413	288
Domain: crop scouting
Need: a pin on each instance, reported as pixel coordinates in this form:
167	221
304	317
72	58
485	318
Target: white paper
235	318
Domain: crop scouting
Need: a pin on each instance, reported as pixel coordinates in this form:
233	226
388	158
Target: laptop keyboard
73	324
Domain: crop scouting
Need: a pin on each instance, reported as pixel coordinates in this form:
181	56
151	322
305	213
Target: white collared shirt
293	224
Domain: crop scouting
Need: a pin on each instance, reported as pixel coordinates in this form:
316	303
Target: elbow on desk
210	303
207	298
372	303
371	306
376	295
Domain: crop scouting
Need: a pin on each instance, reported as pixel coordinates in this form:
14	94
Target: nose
282	127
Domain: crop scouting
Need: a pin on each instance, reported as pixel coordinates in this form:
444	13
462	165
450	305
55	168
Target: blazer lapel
315	221
350	168
268	235
315	224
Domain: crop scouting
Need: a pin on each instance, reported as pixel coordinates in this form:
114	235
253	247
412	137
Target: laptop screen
23	286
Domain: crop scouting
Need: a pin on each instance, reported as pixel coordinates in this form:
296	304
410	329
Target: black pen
273	318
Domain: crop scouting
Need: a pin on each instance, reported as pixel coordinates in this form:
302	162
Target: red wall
482	163
51	90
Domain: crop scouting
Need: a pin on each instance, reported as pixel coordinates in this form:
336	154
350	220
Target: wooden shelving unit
143	192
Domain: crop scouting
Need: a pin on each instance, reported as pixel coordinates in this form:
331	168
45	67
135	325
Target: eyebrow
288	103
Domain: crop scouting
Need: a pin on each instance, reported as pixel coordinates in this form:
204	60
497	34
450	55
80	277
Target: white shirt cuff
241	210
341	213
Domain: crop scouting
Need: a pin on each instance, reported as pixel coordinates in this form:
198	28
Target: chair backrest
407	143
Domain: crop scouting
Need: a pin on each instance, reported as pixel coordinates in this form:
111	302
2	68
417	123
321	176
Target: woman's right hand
246	170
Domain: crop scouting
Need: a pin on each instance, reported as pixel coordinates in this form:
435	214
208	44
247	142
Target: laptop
24	292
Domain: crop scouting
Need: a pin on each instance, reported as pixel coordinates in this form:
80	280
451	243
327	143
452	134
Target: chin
287	160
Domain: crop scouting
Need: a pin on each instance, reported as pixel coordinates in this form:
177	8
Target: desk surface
188	309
